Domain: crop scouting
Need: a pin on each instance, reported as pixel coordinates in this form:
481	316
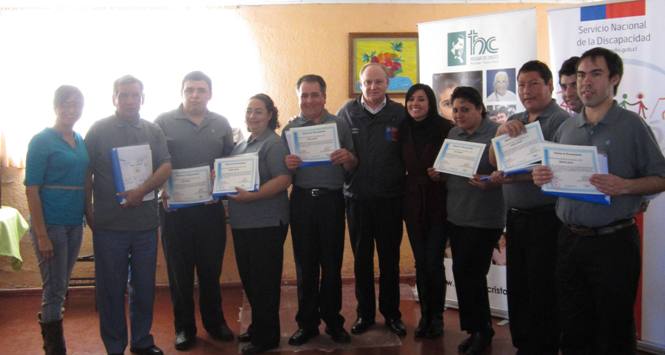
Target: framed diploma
459	157
189	187
313	144
515	155
572	166
237	171
132	166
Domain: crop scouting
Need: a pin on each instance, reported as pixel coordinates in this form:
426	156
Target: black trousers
317	229
428	248
598	278
376	220
260	254
472	254
531	245
194	238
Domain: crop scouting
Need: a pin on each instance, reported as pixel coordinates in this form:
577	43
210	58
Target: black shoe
184	340
464	346
481	341
435	329
301	336
222	332
257	349
396	326
244	337
361	325
422	328
339	335
151	350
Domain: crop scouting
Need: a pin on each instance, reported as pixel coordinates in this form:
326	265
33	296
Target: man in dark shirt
374	198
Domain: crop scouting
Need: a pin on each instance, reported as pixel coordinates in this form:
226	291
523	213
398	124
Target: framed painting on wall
398	52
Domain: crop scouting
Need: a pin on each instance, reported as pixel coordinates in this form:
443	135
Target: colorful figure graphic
642	108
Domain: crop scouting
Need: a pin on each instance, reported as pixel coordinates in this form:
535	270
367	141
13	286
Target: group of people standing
565	258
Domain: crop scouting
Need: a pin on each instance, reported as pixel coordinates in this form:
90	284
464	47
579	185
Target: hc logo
481	45
456	48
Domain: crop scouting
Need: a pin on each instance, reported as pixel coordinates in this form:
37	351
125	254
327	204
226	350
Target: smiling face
418	105
374	83
311	99
533	91
257	117
69	111
594	84
501	83
568	85
467	116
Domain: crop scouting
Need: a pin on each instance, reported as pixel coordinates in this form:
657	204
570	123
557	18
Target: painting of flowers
397	52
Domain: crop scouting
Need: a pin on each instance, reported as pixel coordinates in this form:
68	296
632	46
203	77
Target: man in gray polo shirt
125	235
598	265
195	237
531	224
317	220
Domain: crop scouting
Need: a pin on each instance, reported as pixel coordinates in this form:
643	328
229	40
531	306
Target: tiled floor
20	332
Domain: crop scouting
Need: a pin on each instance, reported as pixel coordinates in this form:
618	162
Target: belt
604	230
62	187
532	211
317	191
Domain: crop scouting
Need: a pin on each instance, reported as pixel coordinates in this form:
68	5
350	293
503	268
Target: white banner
484	52
634	30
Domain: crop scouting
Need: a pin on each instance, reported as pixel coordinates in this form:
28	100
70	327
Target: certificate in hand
237	171
313	144
132	166
572	166
516	155
459	157
189	187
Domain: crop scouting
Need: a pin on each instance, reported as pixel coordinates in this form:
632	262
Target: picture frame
397	51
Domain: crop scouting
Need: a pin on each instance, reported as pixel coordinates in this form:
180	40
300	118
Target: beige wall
292	40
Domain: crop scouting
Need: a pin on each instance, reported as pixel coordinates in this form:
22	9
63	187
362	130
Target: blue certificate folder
121	164
601	167
218	174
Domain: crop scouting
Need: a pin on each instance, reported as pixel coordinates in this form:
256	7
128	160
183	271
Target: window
90	48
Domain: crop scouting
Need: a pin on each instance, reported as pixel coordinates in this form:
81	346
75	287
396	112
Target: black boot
54	340
435	329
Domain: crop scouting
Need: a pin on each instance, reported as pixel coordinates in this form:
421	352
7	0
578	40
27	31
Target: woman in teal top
56	167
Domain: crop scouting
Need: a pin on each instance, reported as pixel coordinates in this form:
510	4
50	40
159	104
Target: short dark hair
126	80
613	60
270	107
197	76
64	93
469	94
312	78
569	66
431	99
537	66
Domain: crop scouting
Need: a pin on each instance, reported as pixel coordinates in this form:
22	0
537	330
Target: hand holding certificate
572	167
237	171
132	166
515	155
189	187
313	144
459	157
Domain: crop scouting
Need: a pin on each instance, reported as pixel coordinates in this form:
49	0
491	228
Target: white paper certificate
521	152
313	144
132	166
572	166
189	186
459	157
237	171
